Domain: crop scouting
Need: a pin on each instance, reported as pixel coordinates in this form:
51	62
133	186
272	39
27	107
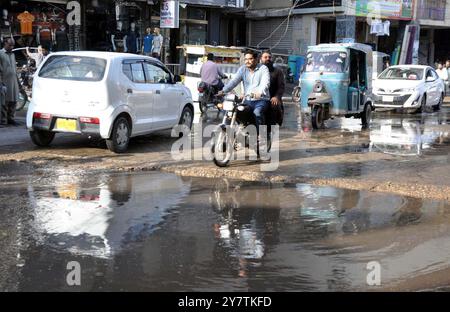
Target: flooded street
155	231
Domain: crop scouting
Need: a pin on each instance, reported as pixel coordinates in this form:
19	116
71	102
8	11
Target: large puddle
161	232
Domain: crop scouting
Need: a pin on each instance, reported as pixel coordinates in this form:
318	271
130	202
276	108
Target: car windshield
402	73
70	67
333	62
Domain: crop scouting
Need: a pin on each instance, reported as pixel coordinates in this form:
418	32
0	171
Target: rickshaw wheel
366	116
317	117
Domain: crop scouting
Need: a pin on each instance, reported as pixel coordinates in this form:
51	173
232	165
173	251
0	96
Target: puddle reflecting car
100	217
411	87
405	137
112	95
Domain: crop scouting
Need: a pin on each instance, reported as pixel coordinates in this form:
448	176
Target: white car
112	95
411	87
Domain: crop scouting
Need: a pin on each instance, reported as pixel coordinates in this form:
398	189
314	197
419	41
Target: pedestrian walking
9	83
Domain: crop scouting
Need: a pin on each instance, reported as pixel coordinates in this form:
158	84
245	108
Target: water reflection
408	136
98	219
159	232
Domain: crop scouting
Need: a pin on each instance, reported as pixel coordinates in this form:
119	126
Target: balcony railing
437	14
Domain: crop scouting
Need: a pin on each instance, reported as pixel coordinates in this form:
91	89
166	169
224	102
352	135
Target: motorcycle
234	133
25	78
206	98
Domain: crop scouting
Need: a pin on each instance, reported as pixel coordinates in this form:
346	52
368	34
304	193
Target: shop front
33	23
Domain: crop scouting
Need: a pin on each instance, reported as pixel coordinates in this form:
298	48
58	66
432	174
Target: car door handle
158	91
129	91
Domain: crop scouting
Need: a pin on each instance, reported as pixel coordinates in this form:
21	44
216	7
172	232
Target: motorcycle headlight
228	105
318	87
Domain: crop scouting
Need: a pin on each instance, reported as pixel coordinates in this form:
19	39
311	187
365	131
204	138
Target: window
333	62
156	74
137	72
403	73
196	13
431	74
69	67
126	69
435	74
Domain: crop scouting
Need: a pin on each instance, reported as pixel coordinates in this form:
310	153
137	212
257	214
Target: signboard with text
170	14
391	9
313	4
217	3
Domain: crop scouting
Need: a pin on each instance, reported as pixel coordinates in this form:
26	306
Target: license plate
66	124
388	99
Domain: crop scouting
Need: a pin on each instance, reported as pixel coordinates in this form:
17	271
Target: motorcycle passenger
256	81
276	89
210	73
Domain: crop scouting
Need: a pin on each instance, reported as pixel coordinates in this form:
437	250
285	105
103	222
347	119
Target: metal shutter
260	30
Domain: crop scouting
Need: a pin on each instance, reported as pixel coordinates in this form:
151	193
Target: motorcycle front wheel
222	148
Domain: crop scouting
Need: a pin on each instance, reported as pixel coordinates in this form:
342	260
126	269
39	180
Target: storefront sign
218	3
392	9
74	16
308	4
170	14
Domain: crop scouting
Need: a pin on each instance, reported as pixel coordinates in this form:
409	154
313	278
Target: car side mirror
177	78
429	79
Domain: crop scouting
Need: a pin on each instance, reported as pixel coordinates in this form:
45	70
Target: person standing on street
9	83
443	74
447	67
148	42
277	87
157	44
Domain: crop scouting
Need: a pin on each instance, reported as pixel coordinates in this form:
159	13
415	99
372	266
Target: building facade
290	26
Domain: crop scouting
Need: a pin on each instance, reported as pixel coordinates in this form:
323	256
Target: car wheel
42	138
317	117
120	136
423	104
187	117
438	106
366	116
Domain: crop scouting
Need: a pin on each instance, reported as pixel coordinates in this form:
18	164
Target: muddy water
161	232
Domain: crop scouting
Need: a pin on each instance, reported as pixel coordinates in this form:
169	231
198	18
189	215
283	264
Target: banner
310	4
391	9
170	14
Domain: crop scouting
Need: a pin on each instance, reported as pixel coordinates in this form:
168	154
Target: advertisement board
391	9
170	14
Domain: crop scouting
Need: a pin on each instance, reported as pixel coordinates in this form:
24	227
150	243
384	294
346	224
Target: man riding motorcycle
210	73
256	81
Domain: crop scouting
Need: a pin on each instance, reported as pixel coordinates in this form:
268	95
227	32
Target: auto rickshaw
337	81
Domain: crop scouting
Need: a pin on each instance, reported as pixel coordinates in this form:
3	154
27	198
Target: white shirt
443	74
157	44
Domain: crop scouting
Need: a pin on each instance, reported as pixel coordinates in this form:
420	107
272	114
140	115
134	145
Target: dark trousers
8	111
